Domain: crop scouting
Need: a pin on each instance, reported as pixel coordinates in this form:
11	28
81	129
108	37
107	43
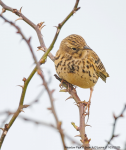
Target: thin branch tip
24	79
40	25
20	18
69	98
21	110
77	135
3	11
47	53
21	86
76	127
20	9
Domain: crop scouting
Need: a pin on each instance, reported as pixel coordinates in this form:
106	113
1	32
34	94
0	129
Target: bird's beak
87	47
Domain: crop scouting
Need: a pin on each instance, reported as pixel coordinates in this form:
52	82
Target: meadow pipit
78	64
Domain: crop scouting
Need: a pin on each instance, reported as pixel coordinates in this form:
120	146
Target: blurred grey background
103	25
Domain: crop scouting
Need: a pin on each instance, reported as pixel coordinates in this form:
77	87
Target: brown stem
47	53
73	93
114	125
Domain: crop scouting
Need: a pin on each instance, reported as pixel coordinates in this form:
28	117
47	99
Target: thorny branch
42	60
82	108
48	125
44	83
114	125
36	122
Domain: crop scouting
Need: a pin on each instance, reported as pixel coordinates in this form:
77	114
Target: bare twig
37	29
36	122
18	13
7	126
48	125
114	125
23	87
34	26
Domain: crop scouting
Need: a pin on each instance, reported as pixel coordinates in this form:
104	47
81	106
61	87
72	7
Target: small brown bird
78	64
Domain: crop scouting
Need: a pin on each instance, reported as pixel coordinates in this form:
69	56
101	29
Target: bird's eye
74	48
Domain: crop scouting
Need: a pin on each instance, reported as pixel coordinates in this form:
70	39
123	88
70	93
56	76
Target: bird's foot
83	102
70	87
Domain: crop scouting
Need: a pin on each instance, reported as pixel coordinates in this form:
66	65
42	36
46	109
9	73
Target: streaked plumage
78	64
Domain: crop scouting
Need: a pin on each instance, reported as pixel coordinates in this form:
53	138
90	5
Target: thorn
21	110
24	79
52	91
20	18
82	141
77	105
18	32
49	108
20	10
21	86
115	135
36	101
77	8
86	140
29	40
69	97
40	25
26	119
121	115
77	135
55	27
2	129
25	106
3	10
88	125
107	141
41	48
114	116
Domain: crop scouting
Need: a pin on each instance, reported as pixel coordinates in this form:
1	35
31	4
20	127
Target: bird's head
74	45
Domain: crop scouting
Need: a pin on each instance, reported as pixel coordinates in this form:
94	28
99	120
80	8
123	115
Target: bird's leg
89	102
91	91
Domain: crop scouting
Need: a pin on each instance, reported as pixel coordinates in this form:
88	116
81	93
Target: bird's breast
77	71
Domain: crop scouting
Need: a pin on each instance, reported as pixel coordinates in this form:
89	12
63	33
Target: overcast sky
102	23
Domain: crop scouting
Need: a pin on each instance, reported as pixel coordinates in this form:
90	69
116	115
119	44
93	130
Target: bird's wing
98	65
